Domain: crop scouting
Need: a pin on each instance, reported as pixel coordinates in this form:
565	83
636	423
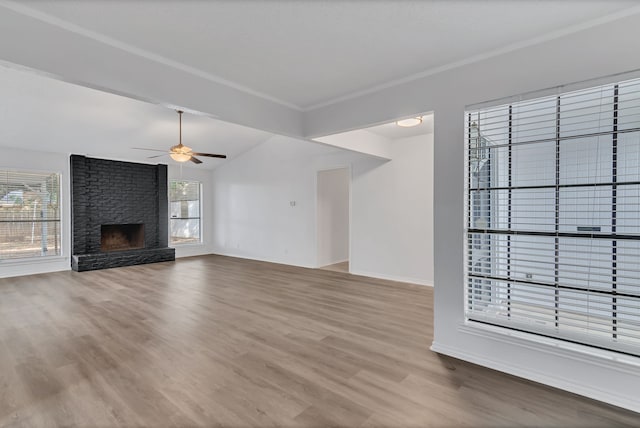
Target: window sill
601	357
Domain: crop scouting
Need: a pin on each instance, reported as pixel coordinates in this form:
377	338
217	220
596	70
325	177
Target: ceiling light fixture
180	157
408	123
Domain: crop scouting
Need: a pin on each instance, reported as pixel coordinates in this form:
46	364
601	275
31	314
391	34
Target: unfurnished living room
320	213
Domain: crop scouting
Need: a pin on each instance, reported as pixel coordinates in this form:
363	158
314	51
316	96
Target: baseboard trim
260	259
606	396
9	269
332	263
409	280
191	250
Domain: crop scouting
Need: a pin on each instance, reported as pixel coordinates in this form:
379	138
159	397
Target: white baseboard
397	278
9	268
190	250
332	263
409	280
220	252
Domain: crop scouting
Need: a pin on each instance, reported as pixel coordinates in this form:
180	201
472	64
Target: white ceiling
42	114
268	65
306	53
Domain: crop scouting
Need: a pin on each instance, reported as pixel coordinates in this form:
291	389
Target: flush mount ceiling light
408	123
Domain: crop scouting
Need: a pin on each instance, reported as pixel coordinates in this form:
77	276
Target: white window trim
201	242
586	349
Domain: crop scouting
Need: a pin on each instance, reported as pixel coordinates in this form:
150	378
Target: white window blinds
29	214
553	216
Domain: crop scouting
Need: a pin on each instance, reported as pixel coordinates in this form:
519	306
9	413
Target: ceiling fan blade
195	160
157	156
211	155
153	150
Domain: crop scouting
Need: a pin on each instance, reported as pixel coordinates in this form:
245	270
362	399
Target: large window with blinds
29	214
184	212
553	216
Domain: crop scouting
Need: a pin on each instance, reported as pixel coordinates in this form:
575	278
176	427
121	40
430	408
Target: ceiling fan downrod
180	115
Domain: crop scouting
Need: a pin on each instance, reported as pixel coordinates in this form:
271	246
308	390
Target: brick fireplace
119	214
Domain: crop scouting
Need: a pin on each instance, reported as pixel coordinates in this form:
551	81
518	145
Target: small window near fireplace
184	208
121	237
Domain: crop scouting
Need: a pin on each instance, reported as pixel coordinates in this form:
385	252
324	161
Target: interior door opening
333	219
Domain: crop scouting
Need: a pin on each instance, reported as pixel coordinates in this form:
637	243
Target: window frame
589	338
200	240
61	229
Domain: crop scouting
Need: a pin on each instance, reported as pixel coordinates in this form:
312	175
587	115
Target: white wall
49	162
391	210
392	214
609	377
265	202
333	216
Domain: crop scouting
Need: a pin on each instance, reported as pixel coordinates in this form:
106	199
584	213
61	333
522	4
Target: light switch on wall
292	203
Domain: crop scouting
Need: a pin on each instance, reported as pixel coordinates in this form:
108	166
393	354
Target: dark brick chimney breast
106	193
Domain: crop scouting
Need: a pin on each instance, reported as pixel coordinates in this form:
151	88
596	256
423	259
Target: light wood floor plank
218	341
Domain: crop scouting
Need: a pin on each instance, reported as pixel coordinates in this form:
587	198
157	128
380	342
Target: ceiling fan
180	152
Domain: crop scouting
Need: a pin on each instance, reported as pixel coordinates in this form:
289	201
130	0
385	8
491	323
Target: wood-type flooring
219	341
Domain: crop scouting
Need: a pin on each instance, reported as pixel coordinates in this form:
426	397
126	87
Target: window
184	212
553	216
29	215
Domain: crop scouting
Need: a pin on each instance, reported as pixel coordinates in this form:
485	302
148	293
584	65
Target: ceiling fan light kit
180	157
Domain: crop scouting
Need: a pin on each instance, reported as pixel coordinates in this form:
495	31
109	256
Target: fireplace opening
120	237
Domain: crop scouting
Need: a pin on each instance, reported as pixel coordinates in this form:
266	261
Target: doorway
333	219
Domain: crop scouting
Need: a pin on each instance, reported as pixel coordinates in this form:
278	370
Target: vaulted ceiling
271	64
43	114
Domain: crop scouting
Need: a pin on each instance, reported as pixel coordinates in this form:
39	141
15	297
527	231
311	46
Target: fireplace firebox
121	237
